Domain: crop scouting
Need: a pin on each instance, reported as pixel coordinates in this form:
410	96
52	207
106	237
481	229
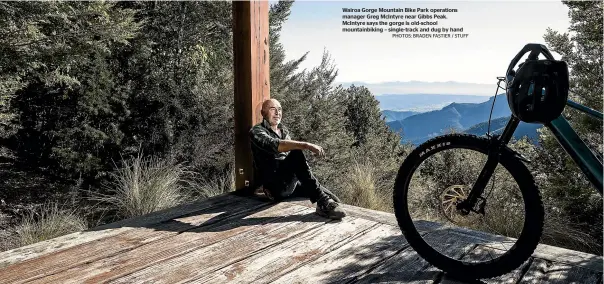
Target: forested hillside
95	97
110	110
462	117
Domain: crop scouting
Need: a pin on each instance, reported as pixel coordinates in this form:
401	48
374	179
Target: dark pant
293	178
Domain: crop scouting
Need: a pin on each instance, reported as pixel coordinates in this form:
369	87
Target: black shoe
328	208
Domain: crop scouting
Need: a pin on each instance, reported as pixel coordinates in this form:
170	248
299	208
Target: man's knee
298	157
297	153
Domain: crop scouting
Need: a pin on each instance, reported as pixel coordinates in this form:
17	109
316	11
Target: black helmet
538	91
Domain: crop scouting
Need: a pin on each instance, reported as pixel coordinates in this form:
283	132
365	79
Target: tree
581	48
564	186
58	60
179	70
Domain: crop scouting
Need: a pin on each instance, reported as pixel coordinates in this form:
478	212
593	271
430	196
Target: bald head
271	111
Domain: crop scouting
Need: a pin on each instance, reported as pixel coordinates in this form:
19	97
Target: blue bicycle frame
584	157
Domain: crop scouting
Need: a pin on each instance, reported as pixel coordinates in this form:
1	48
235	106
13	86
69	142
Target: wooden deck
238	239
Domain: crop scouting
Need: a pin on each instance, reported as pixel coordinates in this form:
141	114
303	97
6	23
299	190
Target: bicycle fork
495	146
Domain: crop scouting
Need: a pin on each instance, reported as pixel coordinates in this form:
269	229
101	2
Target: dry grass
503	210
145	185
559	231
361	188
209	187
47	222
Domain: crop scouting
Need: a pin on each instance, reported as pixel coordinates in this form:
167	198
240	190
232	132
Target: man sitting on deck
282	169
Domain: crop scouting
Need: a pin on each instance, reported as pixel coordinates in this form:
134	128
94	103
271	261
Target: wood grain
238	239
252	79
52	263
71	240
273	262
407	266
144	256
352	259
482	253
570	257
199	262
543	271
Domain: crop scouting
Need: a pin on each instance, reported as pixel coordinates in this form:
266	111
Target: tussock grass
561	232
200	188
144	185
361	188
47	222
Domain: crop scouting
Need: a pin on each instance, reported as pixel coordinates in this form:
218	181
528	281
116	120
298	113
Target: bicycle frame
584	157
566	136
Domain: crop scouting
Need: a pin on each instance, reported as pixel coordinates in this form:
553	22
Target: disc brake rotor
449	198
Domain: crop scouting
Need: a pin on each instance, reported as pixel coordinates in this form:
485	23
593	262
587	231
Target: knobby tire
534	212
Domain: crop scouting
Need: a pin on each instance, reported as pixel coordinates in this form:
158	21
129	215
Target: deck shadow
230	212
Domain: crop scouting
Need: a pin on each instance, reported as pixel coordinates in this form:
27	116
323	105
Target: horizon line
410	81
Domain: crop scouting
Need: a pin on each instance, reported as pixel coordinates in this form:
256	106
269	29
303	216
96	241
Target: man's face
273	112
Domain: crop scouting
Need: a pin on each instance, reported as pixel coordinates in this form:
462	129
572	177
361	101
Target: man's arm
288	145
264	141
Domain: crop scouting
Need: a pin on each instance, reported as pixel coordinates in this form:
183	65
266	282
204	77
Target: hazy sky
497	31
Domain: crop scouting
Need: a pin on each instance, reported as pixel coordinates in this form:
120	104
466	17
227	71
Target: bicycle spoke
452	174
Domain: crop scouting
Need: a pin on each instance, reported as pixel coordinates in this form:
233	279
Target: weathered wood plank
68	241
570	257
350	260
53	263
407	266
198	262
547	252
481	253
232	241
373	215
273	262
144	256
543	271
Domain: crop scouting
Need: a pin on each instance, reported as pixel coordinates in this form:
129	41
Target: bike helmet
538	91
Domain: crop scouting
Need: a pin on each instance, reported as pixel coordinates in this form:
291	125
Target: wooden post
251	71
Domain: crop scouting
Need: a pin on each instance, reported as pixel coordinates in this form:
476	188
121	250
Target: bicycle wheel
443	167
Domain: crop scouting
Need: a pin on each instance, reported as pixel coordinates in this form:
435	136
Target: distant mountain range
467	117
498	125
424	102
421	87
391	115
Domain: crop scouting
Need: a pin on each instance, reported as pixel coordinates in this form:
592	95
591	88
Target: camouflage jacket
265	145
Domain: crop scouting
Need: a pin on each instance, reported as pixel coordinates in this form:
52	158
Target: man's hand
318	150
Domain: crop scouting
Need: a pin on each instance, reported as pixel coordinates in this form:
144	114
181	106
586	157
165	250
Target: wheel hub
450	198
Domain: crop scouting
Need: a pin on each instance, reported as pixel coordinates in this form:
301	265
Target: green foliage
59	59
91	84
567	193
180	74
581	47
85	86
91	80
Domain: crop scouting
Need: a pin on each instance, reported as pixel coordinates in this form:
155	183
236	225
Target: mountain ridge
464	117
424	87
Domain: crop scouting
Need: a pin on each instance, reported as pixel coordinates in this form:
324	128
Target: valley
423	117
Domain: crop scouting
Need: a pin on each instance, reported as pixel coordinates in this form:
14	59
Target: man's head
271	111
